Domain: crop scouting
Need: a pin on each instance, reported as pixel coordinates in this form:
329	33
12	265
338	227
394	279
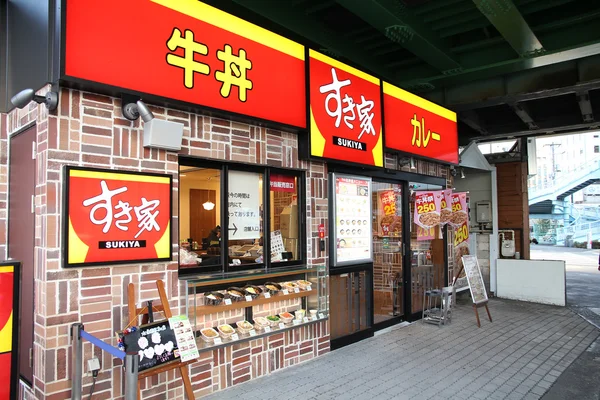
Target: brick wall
89	130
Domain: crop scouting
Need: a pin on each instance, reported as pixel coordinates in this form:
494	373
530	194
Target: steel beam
315	32
521	110
471	118
512	26
397	23
583	98
541	132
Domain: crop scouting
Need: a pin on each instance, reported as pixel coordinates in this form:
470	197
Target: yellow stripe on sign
6	335
343	67
418	101
235	25
163	246
378	151
77	248
7	268
317	141
115	176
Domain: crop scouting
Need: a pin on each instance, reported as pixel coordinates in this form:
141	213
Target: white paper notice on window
243	205
276	246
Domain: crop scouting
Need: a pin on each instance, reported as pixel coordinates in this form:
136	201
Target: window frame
224	167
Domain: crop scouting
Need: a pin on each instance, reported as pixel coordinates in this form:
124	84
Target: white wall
479	186
536	281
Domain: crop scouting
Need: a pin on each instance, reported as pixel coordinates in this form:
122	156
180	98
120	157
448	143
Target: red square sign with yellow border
116	217
188	51
345	112
417	126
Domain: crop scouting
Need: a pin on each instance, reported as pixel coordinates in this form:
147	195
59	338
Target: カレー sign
188	51
115	217
417	126
244	205
9	323
345	112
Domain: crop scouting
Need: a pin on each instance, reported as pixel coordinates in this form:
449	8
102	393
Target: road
583	277
583	297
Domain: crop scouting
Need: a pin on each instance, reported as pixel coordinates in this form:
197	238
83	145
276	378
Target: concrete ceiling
509	67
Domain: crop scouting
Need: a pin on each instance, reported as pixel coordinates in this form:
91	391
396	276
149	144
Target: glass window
426	245
285	230
387	251
245	213
199	219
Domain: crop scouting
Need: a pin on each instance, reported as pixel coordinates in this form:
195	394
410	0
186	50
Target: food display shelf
244	337
255	302
198	281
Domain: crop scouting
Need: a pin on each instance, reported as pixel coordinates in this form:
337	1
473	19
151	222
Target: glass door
349	303
387	251
427	256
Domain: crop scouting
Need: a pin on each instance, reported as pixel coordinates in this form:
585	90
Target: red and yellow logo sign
188	51
117	217
418	126
345	112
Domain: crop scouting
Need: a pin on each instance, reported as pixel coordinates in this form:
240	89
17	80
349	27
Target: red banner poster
116	217
283	183
9	281
446	207
427	213
345	112
188	51
417	126
388	202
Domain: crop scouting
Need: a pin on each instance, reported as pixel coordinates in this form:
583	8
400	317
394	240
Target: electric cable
94	376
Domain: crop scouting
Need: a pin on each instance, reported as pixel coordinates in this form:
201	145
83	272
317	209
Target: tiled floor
518	356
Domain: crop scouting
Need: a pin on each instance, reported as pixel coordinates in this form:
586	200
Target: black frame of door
395	177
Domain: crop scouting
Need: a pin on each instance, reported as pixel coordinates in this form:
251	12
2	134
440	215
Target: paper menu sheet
184	334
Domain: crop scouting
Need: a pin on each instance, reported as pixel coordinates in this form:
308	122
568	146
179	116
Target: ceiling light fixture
462	173
209	205
413	164
133	111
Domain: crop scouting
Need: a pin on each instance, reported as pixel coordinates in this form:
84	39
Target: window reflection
284	217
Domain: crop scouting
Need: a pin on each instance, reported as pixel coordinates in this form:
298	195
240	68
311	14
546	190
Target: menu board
475	279
186	343
352	232
155	344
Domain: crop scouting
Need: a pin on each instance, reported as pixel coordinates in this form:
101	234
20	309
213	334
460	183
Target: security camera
133	111
453	171
25	96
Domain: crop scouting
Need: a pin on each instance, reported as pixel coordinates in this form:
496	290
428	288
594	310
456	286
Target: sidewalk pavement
518	356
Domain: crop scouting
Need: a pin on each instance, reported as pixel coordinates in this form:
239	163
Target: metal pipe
76	361
131	376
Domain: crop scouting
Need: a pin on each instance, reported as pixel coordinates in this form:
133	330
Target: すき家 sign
243	205
345	112
115	217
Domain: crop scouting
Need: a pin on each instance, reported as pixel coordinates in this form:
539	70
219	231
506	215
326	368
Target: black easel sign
9	328
155	344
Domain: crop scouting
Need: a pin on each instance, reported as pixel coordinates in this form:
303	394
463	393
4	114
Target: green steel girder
512	26
315	32
393	19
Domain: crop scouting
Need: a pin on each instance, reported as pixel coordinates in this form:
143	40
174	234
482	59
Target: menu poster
276	246
185	338
475	279
446	207
244	205
352	220
389	222
427	213
155	344
459	220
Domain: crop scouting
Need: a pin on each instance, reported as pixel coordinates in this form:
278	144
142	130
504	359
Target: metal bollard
131	376
76	361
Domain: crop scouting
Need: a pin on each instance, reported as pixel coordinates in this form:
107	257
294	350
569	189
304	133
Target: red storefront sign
115	217
345	112
282	183
417	126
189	51
9	323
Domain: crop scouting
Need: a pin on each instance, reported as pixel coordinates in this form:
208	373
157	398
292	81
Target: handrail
563	178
